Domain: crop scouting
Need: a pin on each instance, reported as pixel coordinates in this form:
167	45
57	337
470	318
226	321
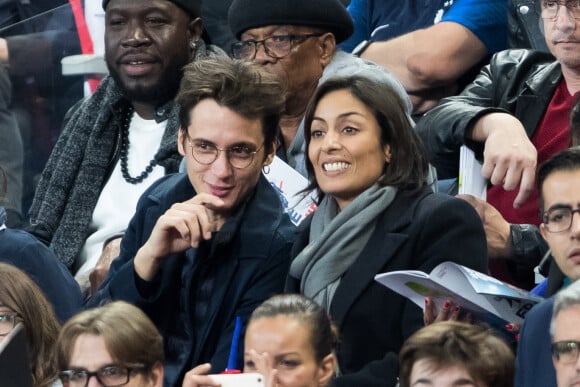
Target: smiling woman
376	214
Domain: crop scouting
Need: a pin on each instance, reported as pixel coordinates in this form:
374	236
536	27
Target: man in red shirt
514	115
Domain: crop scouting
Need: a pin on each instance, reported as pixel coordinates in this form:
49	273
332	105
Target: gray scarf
336	240
77	169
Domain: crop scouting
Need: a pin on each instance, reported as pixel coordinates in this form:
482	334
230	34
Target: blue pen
232	359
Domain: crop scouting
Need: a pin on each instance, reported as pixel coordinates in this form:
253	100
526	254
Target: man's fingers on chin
207	200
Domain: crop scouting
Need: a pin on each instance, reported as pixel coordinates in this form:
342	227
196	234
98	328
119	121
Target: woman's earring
266	169
193	45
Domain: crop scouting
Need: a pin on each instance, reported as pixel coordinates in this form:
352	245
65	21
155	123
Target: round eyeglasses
108	376
559	219
239	156
549	8
277	46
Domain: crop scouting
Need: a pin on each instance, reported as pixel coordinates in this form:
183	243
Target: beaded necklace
124	152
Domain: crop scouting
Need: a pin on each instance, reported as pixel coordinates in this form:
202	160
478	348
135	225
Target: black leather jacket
524	26
519	82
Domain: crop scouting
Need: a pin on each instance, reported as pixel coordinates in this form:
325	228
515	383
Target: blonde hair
130	336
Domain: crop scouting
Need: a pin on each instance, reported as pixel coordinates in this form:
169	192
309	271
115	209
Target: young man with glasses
566	336
209	245
114	345
297	41
559	193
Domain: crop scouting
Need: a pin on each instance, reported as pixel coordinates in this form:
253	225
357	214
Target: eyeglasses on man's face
108	376
566	351
239	156
559	219
549	8
277	46
7	322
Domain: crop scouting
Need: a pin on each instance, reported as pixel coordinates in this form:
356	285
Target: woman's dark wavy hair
408	167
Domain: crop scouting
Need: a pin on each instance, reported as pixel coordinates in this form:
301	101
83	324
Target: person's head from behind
295	39
229	113
112	345
147	43
453	353
559	196
566	336
21	300
560	22
298	337
357	134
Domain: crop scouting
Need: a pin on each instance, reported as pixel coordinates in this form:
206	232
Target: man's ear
156	376
327	47
543	231
270	156
180	141
326	370
195	29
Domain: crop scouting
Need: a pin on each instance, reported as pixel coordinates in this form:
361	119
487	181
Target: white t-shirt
117	202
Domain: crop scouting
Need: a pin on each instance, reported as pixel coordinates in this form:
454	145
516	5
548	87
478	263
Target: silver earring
266	169
193	45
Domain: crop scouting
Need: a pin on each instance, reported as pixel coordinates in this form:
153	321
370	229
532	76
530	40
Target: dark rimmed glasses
559	219
549	8
108	376
239	156
7	322
566	351
277	46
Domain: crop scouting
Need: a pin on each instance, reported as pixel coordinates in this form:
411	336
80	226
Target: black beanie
328	15
192	7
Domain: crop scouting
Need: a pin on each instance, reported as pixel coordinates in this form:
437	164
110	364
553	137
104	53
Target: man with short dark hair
209	245
559	192
123	138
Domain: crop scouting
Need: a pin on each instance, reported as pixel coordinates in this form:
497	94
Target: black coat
416	232
249	259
